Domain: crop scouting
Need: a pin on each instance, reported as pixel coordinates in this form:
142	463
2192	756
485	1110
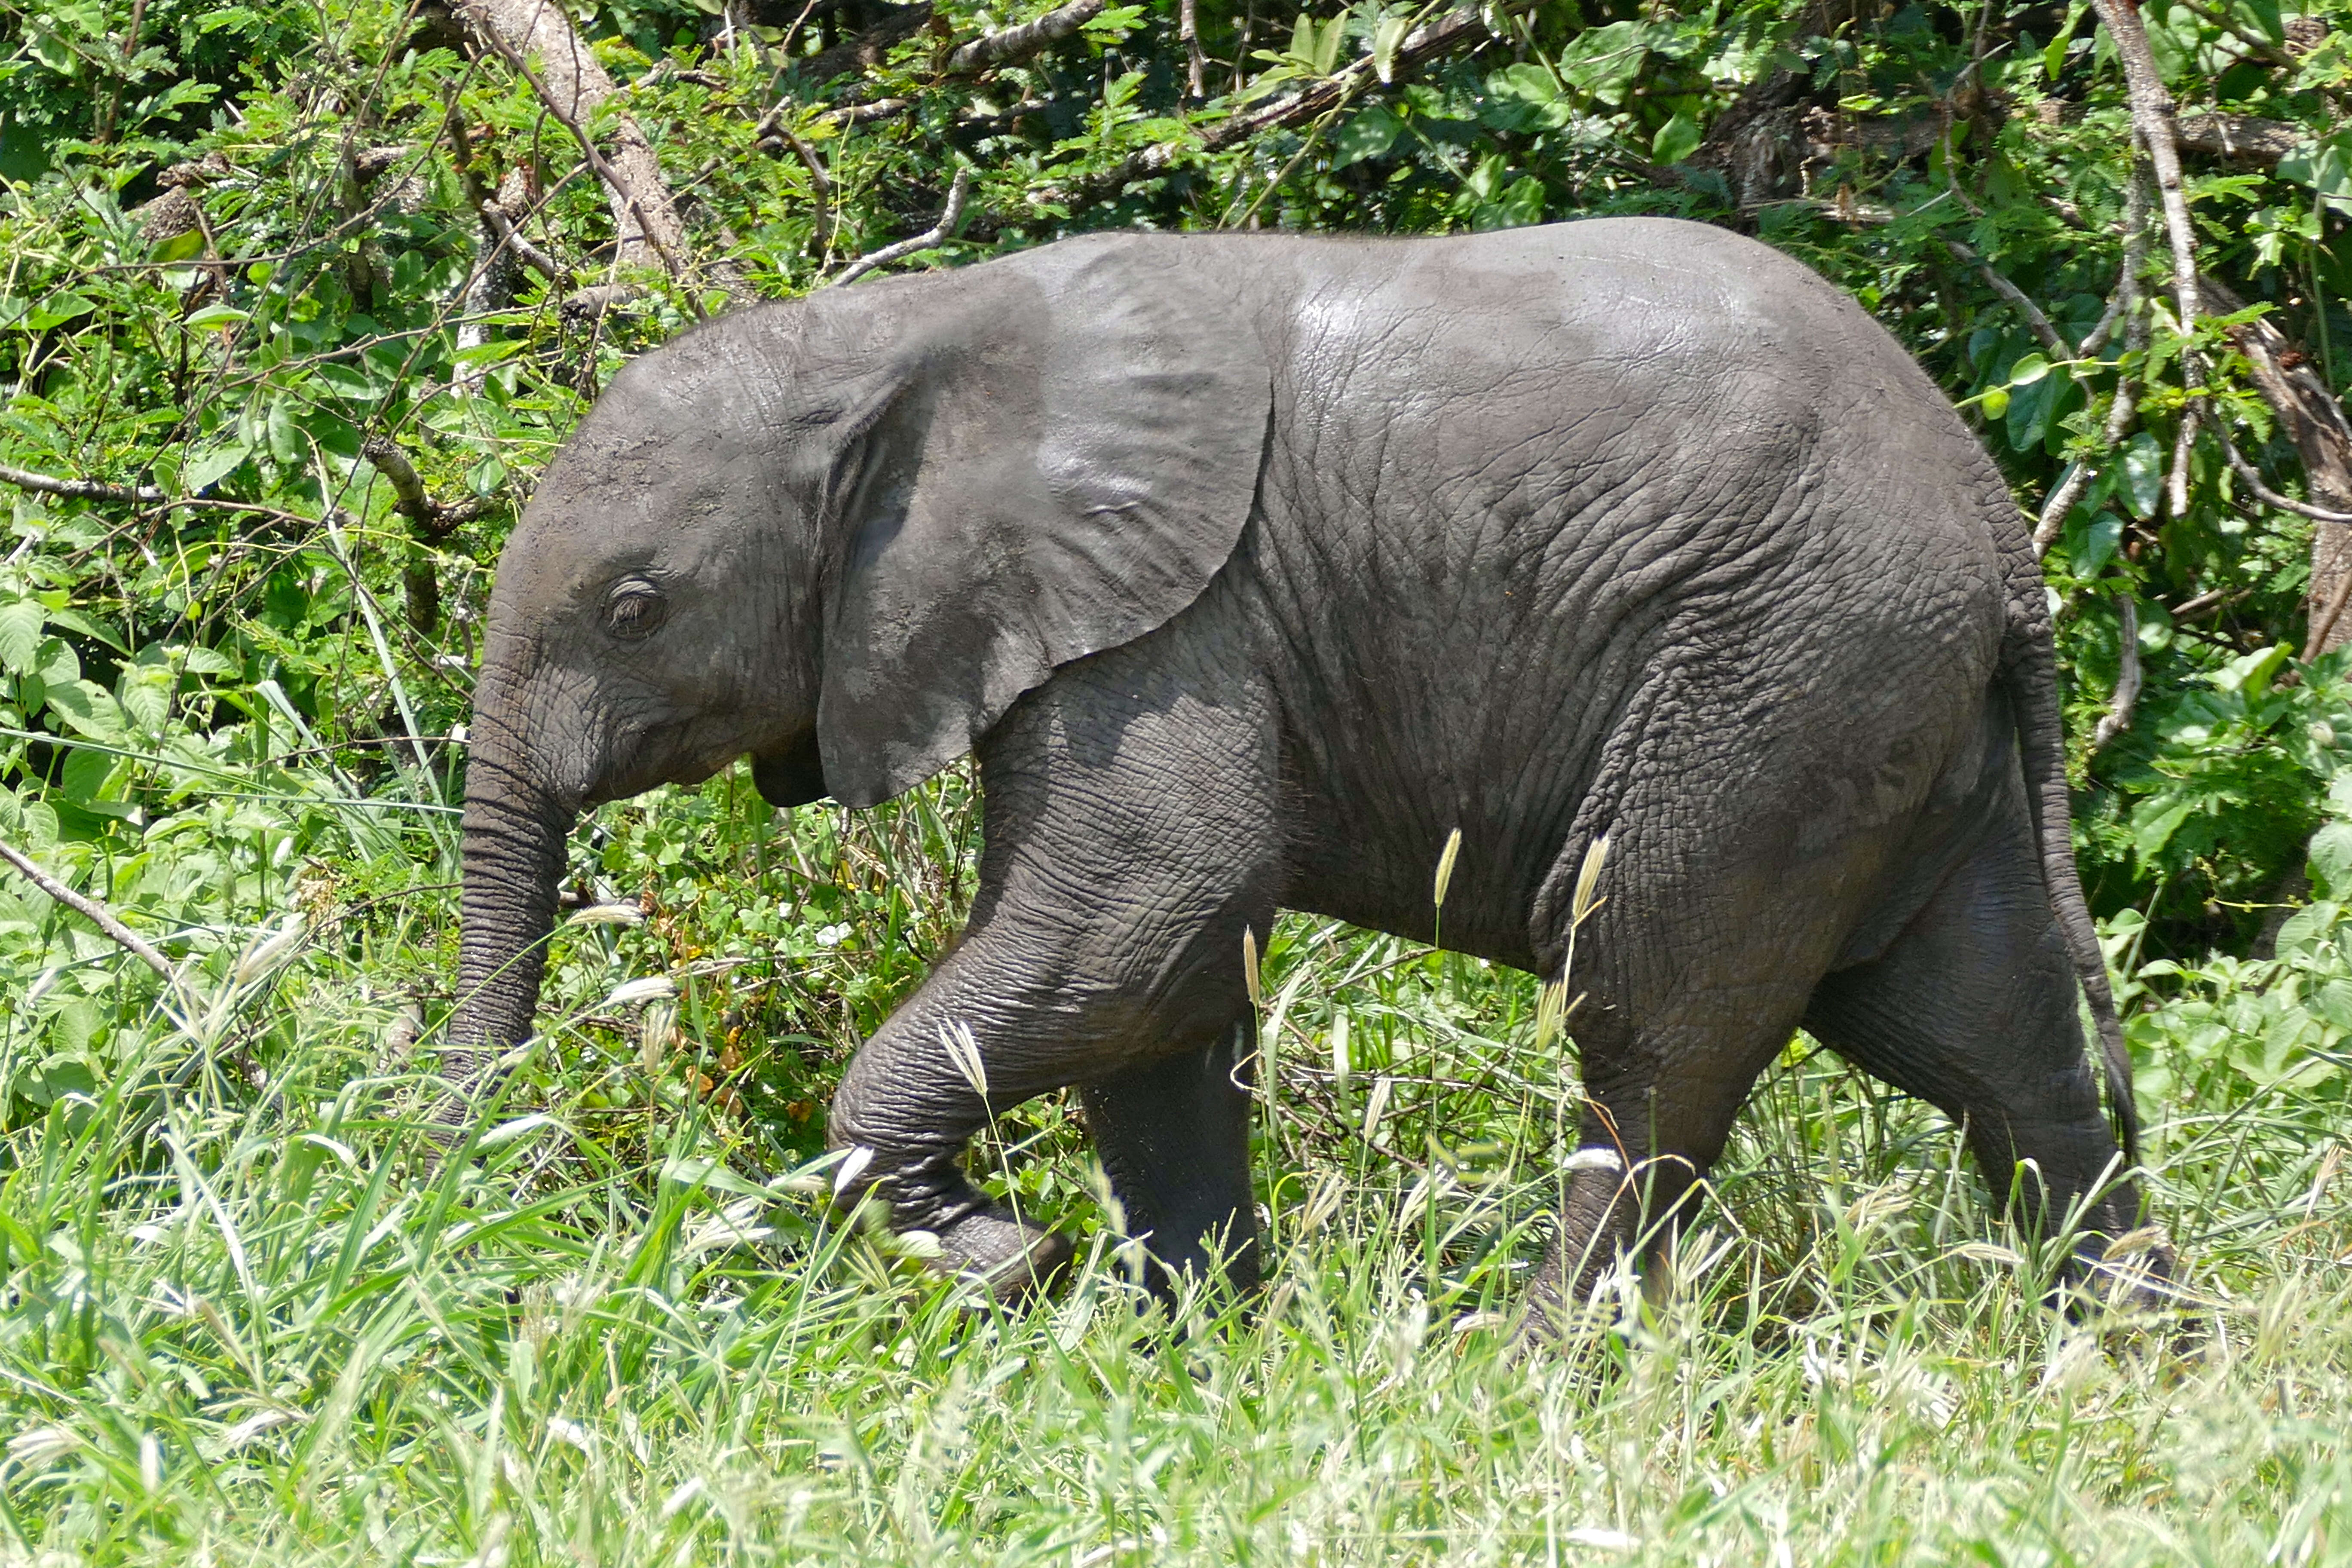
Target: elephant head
842	535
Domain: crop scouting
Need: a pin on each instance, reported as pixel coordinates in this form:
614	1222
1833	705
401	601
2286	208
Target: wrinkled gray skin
1252	566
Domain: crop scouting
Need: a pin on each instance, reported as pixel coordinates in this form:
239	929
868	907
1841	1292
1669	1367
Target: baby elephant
1254	566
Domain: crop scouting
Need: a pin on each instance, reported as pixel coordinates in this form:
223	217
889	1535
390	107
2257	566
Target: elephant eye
634	609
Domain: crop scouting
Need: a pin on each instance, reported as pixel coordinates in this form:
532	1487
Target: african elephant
1253	567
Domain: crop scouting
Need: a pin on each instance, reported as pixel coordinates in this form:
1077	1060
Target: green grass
249	1318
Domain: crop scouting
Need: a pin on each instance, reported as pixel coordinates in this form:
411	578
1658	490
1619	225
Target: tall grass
249	1317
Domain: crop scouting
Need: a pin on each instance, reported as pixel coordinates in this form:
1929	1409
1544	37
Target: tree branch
1466	26
939	232
504	231
2043	331
93	911
2151	113
78	489
2118	716
2242	138
2124	307
1011	43
432	519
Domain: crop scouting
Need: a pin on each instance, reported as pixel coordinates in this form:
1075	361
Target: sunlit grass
250	1319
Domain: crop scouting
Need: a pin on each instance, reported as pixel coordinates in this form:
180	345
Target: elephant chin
791	776
514	854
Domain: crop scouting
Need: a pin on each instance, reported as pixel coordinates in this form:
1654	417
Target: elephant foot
1011	1260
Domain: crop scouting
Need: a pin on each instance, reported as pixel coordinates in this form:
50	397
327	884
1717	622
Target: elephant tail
2030	679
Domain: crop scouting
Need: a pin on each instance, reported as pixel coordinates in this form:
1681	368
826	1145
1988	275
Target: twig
2270	496
90	909
1467	24
2043	330
2124	307
2211	599
409	499
1010	44
771	126
951	217
504	230
515	28
78	489
2118	716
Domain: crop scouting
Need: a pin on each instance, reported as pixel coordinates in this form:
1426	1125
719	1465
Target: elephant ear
1066	451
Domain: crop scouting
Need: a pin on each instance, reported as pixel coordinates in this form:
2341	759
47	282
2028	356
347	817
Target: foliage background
247	278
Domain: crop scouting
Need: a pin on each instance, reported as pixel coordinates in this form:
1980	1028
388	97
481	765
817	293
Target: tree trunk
2313	420
571	84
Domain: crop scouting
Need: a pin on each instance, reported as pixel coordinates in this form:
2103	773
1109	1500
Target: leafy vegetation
296	298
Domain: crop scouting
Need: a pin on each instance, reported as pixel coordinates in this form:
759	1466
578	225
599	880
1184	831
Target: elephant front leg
1174	1137
1131	837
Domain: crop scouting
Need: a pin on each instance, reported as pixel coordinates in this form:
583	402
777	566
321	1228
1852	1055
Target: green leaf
1367	135
2028	369
2099	541
2152	833
215	316
1391	32
59	665
56	310
345	381
1676	140
1604	61
2250	673
2143	475
179	247
1995	401
88	708
210	467
20	636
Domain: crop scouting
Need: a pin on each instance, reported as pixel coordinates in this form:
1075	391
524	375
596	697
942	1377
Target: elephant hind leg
1689	990
1973	1008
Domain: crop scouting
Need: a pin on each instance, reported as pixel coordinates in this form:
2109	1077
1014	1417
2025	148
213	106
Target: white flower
834	935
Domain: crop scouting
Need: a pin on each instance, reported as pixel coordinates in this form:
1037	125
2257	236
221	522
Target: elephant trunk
514	853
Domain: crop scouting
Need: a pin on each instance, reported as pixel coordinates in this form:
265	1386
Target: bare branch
2270	496
1188	33
2118	716
93	911
504	231
2043	331
1011	43
432	519
2151	113
949	218
78	489
2124	307
2310	416
2242	138
1467	26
